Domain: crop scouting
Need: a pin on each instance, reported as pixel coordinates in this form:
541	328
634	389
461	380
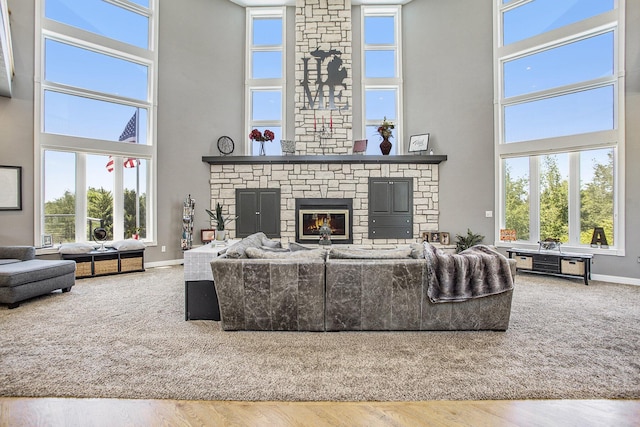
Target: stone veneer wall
324	25
301	180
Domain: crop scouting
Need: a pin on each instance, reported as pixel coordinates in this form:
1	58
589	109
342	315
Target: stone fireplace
325	178
311	214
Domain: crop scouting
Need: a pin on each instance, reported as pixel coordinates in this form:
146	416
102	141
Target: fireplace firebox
311	214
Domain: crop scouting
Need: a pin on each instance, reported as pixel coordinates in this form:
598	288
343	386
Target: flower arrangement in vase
385	131
256	135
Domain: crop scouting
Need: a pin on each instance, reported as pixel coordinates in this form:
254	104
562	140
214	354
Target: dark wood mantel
344	159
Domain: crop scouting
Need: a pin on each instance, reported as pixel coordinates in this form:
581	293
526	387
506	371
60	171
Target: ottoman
21	280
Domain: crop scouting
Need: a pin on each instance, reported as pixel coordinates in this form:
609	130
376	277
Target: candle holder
323	133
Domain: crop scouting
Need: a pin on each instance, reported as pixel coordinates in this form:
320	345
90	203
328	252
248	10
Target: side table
201	300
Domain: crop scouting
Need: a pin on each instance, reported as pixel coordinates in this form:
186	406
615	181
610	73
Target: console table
553	262
201	300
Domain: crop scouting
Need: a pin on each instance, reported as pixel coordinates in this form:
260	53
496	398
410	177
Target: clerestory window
560	121
96	67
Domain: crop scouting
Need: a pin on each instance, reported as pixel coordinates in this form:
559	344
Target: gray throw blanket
473	273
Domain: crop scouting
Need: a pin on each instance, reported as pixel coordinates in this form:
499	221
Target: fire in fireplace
312	213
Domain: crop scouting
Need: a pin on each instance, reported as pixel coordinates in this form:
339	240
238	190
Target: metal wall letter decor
335	76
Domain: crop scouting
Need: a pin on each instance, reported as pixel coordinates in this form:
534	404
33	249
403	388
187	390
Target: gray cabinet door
258	210
390	208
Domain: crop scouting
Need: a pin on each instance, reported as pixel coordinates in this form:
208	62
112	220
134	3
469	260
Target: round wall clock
225	145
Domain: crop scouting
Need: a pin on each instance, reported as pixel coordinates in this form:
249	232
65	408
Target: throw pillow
370	253
128	245
293	246
258	253
75	248
271	243
272	249
253	241
417	250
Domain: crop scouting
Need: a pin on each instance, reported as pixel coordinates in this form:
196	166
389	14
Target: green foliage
596	199
465	242
554	202
517	205
100	205
130	214
220	220
596	203
60	214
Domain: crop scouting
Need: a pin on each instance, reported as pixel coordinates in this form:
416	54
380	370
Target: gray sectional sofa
261	286
22	276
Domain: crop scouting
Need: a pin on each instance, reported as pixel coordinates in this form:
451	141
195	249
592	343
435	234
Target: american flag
128	135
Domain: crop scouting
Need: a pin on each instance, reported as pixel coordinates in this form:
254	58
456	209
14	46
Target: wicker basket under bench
109	261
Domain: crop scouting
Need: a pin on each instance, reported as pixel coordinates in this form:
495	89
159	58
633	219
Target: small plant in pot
220	221
465	242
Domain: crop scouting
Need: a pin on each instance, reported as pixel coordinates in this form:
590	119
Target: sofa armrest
23	253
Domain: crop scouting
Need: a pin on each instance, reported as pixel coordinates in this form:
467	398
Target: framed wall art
445	238
207	235
10	188
419	143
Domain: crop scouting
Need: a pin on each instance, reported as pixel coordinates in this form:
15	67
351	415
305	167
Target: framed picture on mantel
419	143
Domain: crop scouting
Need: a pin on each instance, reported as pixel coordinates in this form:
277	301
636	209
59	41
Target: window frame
83	146
270	84
383	83
572	144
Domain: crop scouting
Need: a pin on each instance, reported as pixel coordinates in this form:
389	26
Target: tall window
265	76
95	75
560	70
381	73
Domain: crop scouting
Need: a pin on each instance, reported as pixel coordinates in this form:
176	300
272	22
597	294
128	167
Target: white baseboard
616	279
165	263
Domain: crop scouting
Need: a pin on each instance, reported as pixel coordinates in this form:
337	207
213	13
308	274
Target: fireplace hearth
312	213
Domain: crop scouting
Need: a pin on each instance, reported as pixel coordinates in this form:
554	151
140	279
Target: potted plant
220	221
465	242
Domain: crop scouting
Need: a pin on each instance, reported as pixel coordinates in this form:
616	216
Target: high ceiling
257	3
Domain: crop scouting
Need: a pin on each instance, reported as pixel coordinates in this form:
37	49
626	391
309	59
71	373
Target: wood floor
118	412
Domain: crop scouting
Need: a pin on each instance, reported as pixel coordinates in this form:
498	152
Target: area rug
126	337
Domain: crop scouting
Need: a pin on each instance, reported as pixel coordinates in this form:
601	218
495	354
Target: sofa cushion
128	245
9	261
75	248
253	241
33	270
271	243
417	250
262	254
293	246
274	249
21	253
397	253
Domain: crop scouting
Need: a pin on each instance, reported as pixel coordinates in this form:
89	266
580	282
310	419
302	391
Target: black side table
201	300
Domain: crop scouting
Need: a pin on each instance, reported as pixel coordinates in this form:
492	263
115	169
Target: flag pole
137	174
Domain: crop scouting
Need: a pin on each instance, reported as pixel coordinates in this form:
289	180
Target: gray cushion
9	261
22	253
262	254
128	245
33	270
253	241
370	253
271	243
75	248
293	246
272	249
417	250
